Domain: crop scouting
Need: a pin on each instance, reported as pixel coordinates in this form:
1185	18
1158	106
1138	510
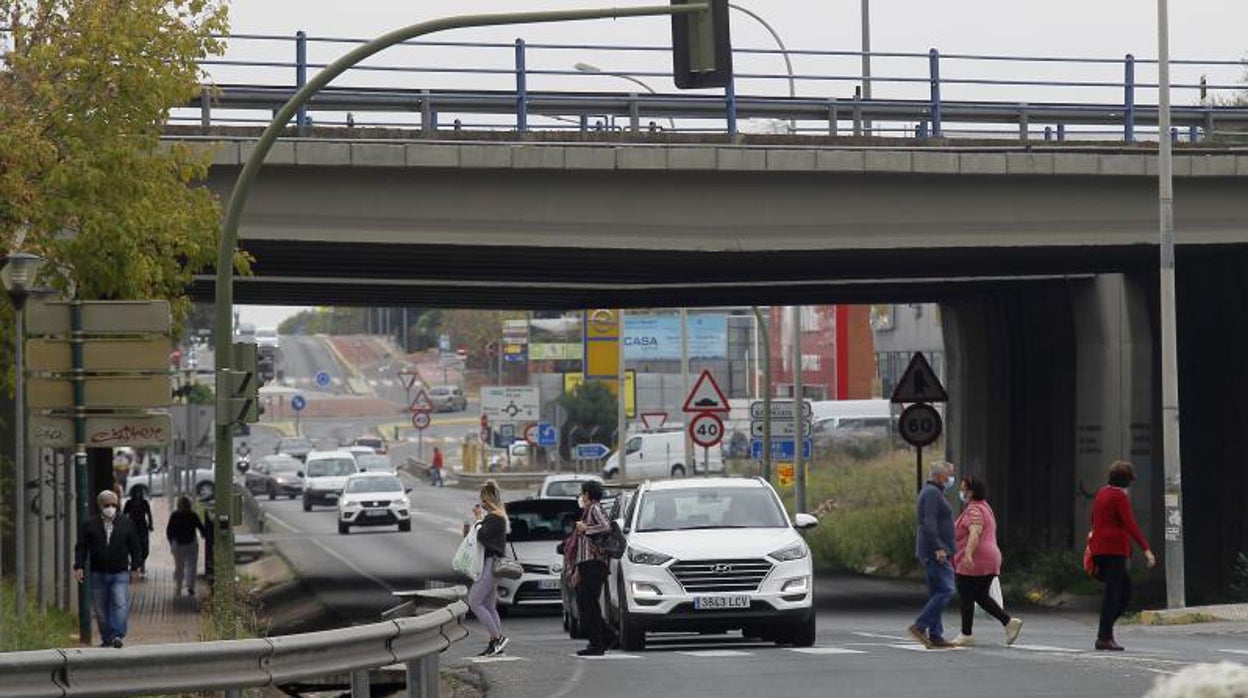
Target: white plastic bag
994	592
470	557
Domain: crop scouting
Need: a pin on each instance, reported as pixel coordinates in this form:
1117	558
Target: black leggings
593	574
1113	569
974	590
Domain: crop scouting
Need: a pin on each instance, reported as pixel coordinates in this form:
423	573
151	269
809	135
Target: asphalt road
862	649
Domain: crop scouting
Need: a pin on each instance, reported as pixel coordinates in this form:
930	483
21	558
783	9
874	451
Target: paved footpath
157	614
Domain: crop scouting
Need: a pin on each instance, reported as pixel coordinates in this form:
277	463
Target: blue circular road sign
322	379
297	403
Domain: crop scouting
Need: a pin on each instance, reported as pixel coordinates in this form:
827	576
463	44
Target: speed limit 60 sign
920	424
706	429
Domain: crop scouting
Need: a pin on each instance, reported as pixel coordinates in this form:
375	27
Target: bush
1043	571
866	510
32	630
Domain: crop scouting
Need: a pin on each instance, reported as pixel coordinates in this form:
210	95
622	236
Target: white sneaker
1012	628
963	640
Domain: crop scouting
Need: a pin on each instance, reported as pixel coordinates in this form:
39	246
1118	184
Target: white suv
714	554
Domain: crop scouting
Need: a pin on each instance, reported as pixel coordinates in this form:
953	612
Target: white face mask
109	511
580	501
962	496
949	482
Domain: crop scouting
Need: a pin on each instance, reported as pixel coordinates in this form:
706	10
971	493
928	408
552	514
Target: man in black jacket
109	547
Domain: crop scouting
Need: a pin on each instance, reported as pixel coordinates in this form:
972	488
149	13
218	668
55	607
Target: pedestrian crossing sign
919	383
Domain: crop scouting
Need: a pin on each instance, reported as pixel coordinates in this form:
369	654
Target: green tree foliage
85	181
474	329
590	406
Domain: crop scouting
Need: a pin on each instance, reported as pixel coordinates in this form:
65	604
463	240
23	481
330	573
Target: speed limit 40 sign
706	429
920	424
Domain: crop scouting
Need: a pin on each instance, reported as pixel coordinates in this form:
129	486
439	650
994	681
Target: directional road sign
507	433
706	396
780	409
920	424
322	380
919	383
780	427
99	317
589	451
547	435
518	403
55	355
102	392
297	403
420	420
706	429
781	449
140	431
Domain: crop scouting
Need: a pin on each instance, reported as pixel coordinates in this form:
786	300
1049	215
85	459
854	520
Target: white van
842	423
660	454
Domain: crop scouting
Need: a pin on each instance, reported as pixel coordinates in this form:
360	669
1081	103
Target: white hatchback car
714	554
374	499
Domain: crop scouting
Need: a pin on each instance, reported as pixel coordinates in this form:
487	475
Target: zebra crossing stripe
824	650
710	654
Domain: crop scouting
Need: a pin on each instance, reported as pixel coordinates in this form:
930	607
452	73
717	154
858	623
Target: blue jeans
939	578
112	603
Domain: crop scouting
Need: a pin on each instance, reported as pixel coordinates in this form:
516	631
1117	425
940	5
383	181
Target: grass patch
242	618
31	629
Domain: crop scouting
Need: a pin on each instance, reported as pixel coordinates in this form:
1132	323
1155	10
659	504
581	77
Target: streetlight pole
591	68
19	274
784	51
228	240
866	55
1176	593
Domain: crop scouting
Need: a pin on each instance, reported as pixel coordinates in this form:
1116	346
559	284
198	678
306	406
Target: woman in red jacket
1113	529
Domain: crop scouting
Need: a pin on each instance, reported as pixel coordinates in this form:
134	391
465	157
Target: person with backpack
591	568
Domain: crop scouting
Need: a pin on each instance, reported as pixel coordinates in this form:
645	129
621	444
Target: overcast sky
1200	29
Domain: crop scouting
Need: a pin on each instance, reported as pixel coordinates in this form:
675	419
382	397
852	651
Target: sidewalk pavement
157	614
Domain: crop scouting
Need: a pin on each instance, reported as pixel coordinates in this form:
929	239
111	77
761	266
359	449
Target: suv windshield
541	519
709	507
374	484
331	467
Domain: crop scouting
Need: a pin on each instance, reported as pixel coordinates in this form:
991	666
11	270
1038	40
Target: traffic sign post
783	449
704	404
590	451
547	436
920	424
421	408
297	403
322	380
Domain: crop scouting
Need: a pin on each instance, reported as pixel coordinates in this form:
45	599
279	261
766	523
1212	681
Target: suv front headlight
350	504
796	551
641	556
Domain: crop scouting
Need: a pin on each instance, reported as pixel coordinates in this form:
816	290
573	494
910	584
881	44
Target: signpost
547	435
704	405
920	424
518	403
421	408
783	449
653	420
783	431
99	378
322	380
590	451
297	403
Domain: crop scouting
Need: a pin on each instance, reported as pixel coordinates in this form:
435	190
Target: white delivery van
660	454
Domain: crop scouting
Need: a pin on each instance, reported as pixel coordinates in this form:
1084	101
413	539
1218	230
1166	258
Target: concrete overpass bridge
1043	260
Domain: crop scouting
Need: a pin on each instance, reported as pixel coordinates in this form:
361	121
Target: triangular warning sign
422	403
706	396
408	378
919	383
653	420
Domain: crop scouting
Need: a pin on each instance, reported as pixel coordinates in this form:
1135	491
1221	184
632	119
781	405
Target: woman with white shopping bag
977	562
484	544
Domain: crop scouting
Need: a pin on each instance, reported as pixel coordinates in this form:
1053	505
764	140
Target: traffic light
701	47
241	389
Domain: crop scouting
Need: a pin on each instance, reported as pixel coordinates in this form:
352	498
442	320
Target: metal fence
233	665
521	86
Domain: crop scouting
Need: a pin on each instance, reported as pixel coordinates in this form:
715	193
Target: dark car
295	446
276	475
376	443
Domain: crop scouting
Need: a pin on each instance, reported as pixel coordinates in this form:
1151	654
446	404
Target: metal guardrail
917	94
233	665
506	481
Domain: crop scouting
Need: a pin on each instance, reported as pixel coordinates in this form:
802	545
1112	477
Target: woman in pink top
978	561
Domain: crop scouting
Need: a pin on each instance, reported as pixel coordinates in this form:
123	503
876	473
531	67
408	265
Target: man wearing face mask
108	545
934	546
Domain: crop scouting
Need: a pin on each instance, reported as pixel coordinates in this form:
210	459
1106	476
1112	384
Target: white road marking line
492	660
326	549
1045	648
711	654
608	655
916	647
824	650
882	636
1234	651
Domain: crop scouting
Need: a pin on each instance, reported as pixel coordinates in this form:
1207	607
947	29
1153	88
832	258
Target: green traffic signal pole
223	468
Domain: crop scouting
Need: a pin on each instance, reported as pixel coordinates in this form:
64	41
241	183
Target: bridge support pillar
1114	394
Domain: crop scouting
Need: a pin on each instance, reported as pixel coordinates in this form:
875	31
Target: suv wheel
343	528
307	503
802	633
632	637
678	470
405	526
272	493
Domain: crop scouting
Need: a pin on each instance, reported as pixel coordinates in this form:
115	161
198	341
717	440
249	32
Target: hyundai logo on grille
721	569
